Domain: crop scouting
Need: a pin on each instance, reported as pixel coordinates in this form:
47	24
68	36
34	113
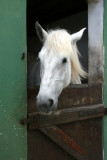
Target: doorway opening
72	16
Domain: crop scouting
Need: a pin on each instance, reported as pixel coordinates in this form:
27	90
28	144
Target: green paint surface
13	136
105	81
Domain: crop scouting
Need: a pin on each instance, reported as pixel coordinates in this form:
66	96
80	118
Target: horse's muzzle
45	105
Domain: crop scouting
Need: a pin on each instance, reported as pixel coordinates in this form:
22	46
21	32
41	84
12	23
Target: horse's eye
64	60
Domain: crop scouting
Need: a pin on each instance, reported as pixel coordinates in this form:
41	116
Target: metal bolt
23	56
23	121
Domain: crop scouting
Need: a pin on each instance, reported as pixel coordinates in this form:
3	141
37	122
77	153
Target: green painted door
13	136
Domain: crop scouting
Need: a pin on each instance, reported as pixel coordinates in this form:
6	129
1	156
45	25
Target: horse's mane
60	42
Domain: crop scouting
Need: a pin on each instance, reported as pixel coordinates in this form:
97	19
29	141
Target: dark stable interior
46	12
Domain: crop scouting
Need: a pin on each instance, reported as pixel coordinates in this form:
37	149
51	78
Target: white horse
59	65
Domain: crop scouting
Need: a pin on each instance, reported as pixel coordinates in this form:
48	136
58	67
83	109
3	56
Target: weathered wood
78	95
65	142
86	133
74	95
38	120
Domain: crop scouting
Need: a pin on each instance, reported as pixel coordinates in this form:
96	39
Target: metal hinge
25	121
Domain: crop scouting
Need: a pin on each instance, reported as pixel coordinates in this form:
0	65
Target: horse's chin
47	113
50	112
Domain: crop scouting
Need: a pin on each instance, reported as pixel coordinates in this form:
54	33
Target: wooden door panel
73	132
81	140
88	135
40	147
38	120
72	96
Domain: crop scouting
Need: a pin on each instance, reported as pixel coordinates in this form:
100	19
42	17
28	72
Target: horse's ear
42	34
77	36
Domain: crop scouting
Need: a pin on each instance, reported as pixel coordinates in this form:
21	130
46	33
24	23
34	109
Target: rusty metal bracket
25	121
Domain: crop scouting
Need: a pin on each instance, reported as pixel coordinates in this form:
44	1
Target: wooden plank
39	120
65	142
74	95
42	147
88	135
85	134
78	95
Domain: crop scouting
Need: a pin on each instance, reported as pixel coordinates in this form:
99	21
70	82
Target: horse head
59	65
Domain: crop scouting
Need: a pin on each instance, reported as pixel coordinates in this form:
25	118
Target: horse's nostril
51	102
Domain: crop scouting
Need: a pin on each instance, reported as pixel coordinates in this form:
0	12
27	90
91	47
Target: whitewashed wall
95	34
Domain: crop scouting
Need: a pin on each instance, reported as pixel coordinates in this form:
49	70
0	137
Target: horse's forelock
59	42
